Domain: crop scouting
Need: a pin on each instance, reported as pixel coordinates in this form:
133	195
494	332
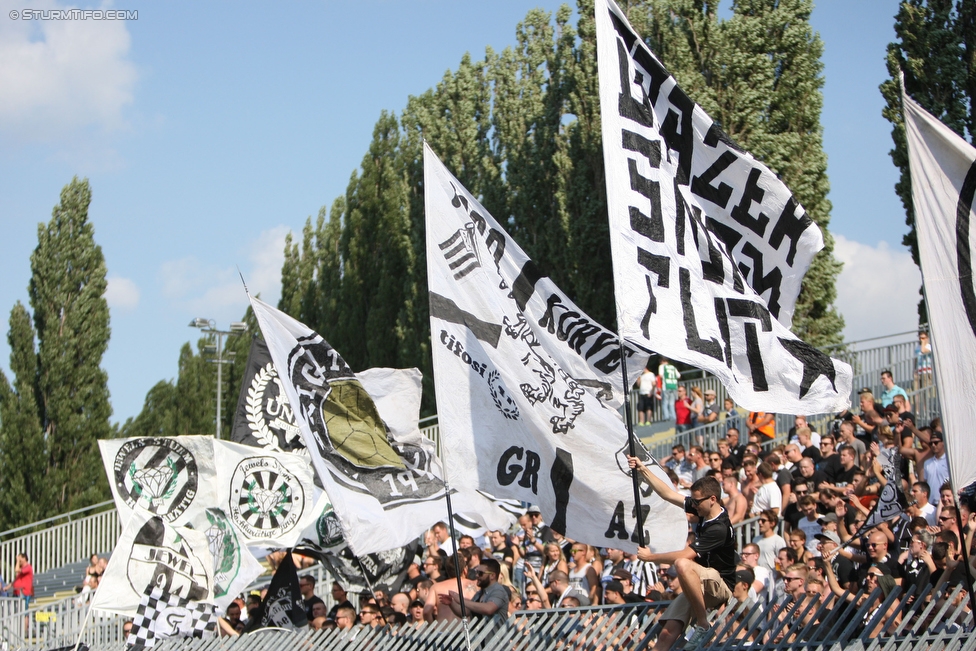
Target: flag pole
442	454
635	477
457	562
938	392
84	625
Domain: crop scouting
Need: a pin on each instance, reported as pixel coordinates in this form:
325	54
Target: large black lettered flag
709	247
526	381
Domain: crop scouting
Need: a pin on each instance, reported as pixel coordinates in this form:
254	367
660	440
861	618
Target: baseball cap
533	509
937	436
579	595
864	390
623	575
824	519
891	408
742	576
709	392
672	572
828	535
616	586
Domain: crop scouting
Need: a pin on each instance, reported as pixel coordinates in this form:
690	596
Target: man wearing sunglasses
706	568
492	597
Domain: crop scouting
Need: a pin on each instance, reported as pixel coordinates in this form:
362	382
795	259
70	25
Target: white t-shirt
768	548
647	383
769	496
811	529
936	472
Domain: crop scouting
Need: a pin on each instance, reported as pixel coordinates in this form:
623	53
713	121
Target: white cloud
60	77
210	291
122	294
877	292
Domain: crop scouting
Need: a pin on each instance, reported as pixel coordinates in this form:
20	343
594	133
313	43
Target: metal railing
904	619
867	359
65	539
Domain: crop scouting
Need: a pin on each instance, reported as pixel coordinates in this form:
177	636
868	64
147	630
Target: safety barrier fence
912	618
61	540
867	359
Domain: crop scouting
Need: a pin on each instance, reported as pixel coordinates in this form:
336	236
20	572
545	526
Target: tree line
519	128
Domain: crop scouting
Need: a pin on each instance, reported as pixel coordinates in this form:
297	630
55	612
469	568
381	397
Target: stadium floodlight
209	326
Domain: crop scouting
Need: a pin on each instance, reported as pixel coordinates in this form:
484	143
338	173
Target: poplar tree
58	405
936	51
24	494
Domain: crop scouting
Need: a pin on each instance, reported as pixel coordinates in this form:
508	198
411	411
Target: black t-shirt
915	572
309	603
889	561
844	570
335	609
829	466
845	477
813	453
792	515
813	483
715	544
504	555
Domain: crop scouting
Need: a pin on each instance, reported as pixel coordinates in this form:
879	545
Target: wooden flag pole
635	477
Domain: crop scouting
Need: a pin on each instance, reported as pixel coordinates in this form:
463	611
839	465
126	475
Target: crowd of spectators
808	499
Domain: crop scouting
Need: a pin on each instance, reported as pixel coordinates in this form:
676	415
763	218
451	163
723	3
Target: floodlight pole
209	326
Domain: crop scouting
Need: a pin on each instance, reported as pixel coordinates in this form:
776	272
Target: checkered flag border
155	604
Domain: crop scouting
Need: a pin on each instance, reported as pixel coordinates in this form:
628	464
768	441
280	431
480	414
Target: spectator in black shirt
307	586
705	568
340	599
829	459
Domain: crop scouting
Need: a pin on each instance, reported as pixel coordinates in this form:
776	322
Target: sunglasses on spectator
698	502
792	578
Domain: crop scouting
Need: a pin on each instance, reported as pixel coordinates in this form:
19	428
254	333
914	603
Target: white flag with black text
526	382
169	476
153	553
943	171
385	492
709	247
268	496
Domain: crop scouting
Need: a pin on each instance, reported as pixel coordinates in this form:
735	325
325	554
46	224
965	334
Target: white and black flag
264	418
385	491
161	616
943	167
282	606
709	247
528	385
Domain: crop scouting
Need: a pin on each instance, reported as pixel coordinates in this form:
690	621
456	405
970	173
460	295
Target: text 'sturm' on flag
709	247
943	171
169	476
385	492
526	381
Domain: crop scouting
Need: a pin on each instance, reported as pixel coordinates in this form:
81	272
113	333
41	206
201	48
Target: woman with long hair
553	560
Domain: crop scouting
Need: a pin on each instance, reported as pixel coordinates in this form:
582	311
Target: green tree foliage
936	51
521	130
23	488
58	405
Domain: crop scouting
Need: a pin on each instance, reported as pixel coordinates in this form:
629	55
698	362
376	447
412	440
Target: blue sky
209	130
